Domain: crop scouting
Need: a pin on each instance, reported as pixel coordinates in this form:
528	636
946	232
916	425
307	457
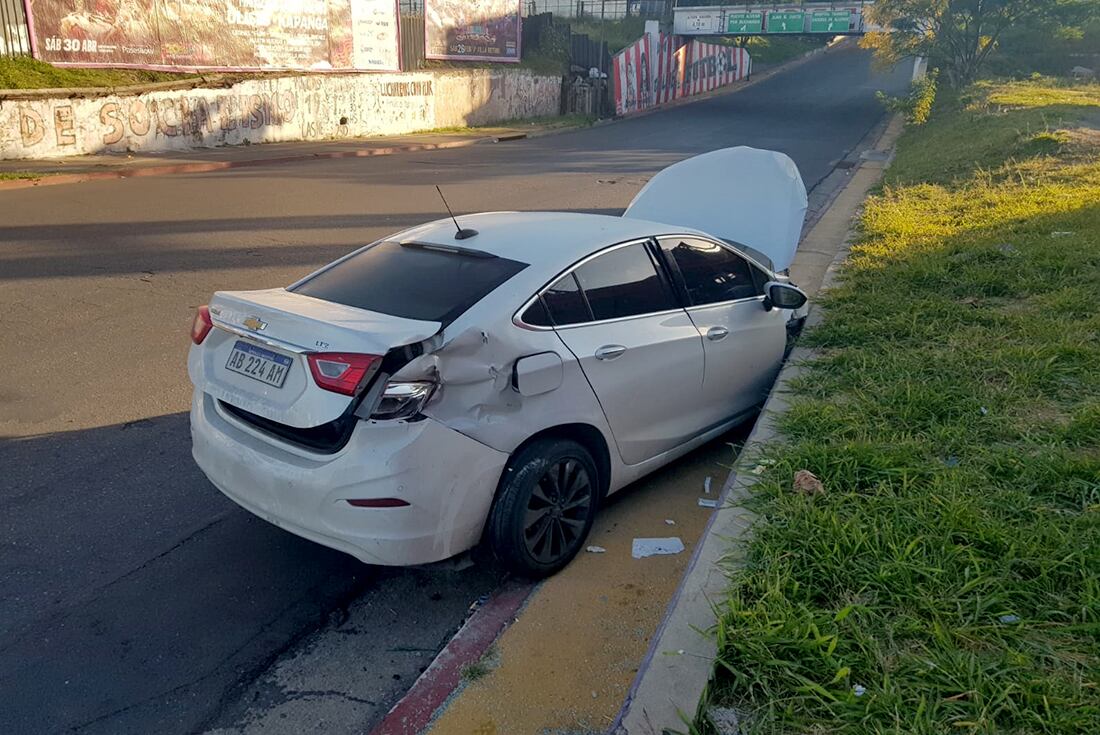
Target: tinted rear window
411	281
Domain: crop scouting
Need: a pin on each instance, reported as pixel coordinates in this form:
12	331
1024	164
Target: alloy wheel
557	510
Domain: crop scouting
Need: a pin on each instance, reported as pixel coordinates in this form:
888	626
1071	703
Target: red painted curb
414	712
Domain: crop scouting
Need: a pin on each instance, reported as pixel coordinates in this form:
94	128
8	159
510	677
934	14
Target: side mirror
783	296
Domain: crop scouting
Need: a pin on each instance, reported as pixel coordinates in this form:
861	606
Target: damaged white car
438	388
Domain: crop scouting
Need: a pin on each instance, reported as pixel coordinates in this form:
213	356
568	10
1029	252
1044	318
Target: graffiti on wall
681	68
256	111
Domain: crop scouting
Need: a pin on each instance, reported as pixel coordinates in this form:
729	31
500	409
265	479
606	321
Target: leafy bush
917	105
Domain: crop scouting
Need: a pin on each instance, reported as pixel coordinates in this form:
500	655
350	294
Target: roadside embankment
944	574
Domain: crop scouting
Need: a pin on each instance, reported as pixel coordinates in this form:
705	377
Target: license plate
259	364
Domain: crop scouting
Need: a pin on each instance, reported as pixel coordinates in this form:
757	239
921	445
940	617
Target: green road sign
786	22
830	21
744	23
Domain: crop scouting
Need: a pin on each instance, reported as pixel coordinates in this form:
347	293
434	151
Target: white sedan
495	378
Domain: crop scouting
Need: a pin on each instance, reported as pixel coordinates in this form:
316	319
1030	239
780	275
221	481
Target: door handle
717	333
609	352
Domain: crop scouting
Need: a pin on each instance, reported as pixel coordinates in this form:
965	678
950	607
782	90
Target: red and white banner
708	66
681	69
630	70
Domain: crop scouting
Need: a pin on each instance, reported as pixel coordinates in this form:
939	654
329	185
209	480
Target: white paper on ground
706	486
708	503
644	547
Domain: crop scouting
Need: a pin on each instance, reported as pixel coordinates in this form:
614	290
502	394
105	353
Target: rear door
742	342
638	348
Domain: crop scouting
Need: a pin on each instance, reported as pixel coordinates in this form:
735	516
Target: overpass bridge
817	18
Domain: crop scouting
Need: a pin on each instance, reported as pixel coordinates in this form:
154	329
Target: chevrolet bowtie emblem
255	324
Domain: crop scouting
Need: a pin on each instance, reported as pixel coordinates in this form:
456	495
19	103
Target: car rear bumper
447	478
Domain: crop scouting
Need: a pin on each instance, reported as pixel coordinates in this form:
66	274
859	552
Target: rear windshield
413	281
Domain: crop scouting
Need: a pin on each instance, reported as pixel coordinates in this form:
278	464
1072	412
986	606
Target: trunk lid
746	195
268	335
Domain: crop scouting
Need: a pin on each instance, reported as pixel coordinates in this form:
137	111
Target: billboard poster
472	30
230	35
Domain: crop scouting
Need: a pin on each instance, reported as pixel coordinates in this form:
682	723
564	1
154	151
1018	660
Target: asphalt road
133	596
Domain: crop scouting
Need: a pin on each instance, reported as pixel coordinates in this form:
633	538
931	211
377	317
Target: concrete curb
416	710
679	664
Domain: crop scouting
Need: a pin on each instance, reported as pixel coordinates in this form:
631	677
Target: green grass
951	570
16	175
777	49
617	33
23	72
481	668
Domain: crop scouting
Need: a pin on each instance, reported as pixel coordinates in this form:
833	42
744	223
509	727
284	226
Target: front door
640	351
743	343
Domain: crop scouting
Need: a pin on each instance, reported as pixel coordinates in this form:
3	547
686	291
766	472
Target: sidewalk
680	661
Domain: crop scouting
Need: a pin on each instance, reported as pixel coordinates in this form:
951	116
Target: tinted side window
565	302
624	282
411	281
536	315
711	273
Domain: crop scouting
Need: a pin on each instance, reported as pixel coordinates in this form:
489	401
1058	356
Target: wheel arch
588	436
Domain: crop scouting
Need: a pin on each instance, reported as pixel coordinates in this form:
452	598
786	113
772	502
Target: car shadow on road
169	246
136	598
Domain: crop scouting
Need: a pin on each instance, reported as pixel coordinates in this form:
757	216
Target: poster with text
229	35
472	30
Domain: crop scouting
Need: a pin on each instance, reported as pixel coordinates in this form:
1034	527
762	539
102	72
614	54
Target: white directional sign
696	21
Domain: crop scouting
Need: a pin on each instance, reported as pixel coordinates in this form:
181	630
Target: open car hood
746	195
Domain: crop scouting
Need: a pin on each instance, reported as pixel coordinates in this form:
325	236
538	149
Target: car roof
542	239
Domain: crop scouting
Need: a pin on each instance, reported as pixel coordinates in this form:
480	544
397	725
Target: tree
957	36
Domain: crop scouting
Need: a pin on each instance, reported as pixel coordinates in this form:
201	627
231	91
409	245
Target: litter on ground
708	503
644	547
706	486
595	549
806	482
670	522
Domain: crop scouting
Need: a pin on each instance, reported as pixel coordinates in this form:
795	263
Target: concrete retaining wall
316	107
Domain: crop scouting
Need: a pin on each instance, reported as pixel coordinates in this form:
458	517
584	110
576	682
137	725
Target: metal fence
14	35
412	40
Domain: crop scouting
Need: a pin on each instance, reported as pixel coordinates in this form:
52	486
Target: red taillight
202	325
342	372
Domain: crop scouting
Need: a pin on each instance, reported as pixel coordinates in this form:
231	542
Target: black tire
544	508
